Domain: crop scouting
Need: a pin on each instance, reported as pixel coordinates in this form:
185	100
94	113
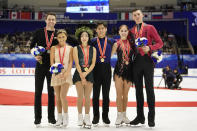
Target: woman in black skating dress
123	73
85	58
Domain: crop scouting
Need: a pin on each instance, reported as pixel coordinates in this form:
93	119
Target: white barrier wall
31	72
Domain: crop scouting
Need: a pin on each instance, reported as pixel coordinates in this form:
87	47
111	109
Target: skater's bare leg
119	92
125	101
126	88
58	98
63	95
87	93
80	94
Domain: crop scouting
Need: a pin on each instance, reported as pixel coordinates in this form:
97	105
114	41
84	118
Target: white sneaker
119	119
125	118
80	119
65	119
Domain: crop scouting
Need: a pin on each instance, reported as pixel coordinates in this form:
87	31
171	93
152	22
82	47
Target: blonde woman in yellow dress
85	57
62	53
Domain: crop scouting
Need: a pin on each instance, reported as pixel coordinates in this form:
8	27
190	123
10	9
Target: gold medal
102	59
86	69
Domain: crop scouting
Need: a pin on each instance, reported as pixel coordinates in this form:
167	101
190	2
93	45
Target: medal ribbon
86	57
47	39
139	33
100	49
62	57
126	53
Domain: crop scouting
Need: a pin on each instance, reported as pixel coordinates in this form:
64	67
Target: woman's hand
84	74
81	75
66	74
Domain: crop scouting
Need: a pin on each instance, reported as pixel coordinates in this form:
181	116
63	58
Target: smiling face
138	16
50	20
123	31
62	37
84	38
101	31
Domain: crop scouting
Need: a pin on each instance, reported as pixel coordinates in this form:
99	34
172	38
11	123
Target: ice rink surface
20	118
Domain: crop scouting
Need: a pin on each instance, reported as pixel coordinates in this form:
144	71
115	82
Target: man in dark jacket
178	79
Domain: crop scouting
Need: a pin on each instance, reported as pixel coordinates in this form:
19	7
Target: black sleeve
34	40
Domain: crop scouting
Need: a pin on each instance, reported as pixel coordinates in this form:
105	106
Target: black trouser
40	73
177	83
143	67
102	77
170	81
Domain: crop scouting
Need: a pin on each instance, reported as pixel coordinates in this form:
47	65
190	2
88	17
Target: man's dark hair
134	10
50	13
101	23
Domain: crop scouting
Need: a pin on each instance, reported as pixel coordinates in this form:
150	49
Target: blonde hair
62	31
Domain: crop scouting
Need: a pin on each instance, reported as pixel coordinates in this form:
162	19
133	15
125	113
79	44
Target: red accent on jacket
151	34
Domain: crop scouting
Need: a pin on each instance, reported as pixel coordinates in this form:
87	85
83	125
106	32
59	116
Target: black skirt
121	69
76	77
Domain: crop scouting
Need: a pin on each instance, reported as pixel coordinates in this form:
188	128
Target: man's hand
146	49
38	58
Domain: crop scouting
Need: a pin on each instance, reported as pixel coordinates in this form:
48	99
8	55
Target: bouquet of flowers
56	68
156	56
38	51
139	42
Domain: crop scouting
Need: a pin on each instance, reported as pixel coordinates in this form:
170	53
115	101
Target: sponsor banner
31	72
17	71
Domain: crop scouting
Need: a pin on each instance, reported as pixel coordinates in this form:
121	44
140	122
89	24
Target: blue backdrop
6	60
176	27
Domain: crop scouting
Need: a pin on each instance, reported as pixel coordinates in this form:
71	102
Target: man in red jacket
144	67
